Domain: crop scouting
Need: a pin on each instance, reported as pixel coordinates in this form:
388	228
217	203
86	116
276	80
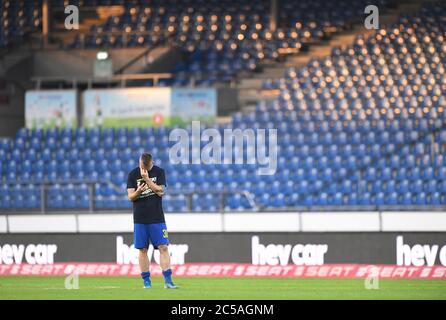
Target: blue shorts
155	233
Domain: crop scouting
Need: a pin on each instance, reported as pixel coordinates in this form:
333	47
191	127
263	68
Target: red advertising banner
230	270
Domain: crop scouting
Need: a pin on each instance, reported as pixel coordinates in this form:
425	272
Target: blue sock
145	275
167	275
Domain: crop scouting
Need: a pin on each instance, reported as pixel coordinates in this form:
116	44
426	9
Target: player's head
146	161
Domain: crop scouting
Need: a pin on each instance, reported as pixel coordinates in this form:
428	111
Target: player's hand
144	173
141	188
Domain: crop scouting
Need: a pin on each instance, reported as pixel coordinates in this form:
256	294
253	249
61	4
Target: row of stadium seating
88	3
362	127
220	37
395	80
18	17
66	197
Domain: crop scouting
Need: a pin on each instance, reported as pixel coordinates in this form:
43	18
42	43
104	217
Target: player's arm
157	189
160	193
133	194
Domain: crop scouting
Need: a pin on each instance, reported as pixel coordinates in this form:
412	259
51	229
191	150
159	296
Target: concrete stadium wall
232	222
80	62
227	101
17	79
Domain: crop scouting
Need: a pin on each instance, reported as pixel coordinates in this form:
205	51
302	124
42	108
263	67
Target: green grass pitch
95	288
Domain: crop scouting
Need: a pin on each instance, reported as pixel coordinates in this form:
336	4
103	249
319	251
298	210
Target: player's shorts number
165	234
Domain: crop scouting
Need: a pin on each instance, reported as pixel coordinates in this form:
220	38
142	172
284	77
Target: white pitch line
103	287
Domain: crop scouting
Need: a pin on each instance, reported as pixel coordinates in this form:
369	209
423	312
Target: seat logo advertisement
316	255
51	109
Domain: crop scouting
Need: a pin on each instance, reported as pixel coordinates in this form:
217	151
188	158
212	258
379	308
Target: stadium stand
219	38
370	117
17	18
361	127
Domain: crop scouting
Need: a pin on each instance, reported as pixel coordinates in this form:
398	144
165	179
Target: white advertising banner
46	109
194	104
127	107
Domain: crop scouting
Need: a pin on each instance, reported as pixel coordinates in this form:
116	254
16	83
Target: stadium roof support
45	23
273	16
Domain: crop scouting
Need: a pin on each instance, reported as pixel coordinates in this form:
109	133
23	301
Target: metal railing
46	208
46	187
144	55
222	194
122	79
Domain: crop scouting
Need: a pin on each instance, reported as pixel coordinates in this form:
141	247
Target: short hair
146	158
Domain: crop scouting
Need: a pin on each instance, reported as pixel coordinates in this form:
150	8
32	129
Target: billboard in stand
141	107
194	104
127	107
46	109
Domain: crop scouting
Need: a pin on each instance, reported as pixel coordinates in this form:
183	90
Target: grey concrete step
247	96
250	83
272	73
